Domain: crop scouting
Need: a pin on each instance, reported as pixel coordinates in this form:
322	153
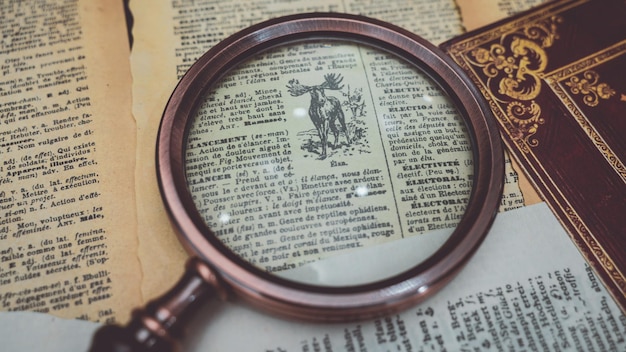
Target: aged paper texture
67	213
478	13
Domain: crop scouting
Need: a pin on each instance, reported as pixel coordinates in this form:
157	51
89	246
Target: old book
554	77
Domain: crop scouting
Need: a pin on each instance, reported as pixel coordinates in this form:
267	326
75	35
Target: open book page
495	303
67	213
169	38
478	13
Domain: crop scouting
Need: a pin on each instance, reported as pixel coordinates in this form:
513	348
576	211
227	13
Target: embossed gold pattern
581	77
596	250
516	66
590	88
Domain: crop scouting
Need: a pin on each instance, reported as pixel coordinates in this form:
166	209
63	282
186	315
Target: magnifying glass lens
329	163
326	167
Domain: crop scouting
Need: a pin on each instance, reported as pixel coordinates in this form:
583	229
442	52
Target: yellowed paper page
478	13
67	207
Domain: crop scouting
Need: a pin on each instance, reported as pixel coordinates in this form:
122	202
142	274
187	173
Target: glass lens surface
329	163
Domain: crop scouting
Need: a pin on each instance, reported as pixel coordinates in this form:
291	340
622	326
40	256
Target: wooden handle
159	326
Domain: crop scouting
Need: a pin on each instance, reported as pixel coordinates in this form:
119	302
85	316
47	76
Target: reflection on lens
361	191
312	160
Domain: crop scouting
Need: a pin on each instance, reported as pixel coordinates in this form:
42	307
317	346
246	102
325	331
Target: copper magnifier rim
315	302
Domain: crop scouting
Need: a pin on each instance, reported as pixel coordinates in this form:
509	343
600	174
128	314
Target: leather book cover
555	78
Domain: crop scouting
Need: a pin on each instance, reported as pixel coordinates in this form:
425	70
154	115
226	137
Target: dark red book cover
555	78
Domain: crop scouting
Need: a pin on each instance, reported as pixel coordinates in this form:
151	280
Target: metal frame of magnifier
215	270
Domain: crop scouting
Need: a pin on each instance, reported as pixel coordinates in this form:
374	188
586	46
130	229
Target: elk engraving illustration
325	111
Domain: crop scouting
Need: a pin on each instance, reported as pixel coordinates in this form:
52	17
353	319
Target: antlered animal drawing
325	111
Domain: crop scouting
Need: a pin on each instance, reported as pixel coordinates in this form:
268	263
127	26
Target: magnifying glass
325	167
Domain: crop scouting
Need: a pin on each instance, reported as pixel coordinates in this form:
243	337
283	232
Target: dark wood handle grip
159	326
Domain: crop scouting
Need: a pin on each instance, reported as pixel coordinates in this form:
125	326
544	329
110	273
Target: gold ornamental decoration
515	66
590	87
581	78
